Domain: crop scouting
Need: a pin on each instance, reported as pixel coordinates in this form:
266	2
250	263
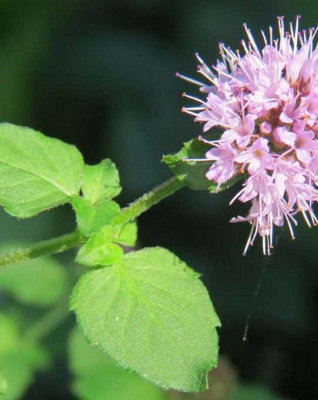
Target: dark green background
101	75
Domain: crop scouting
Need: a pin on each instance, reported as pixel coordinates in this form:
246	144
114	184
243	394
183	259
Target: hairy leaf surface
100	249
92	217
101	181
96	377
36	172
152	314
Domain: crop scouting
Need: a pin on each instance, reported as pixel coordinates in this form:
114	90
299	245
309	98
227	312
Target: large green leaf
41	281
101	181
36	172
96	377
152	314
193	173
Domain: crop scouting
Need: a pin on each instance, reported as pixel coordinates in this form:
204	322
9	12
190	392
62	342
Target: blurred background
101	74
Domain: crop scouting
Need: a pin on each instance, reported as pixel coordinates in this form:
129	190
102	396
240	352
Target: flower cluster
266	103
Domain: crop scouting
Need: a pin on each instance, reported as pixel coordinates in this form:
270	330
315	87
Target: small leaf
96	377
101	181
152	314
127	234
18	361
36	172
193	173
99	249
41	281
92	217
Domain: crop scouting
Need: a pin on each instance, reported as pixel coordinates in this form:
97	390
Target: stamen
236	196
281	29
214	142
223	73
264	37
313	217
231	56
190	80
305	218
264	245
270	29
195	108
249	239
295	37
251	39
184	110
289	226
213	81
187	96
197	159
244	46
203	63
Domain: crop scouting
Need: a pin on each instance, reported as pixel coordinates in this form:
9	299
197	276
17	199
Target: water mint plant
145	308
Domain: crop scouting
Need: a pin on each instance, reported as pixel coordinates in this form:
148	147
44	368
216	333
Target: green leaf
99	249
3	384
41	281
36	172
96	377
19	359
193	173
92	217
19	366
9	333
127	234
101	181
152	314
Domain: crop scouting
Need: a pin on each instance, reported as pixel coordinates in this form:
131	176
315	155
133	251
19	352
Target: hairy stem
43	248
148	200
73	239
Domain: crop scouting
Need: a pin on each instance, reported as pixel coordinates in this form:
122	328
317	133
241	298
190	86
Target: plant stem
43	248
46	324
73	239
148	200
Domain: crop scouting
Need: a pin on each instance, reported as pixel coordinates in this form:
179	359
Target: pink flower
224	166
266	102
217	113
257	157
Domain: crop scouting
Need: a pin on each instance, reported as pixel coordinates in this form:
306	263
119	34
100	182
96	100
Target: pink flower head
266	102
